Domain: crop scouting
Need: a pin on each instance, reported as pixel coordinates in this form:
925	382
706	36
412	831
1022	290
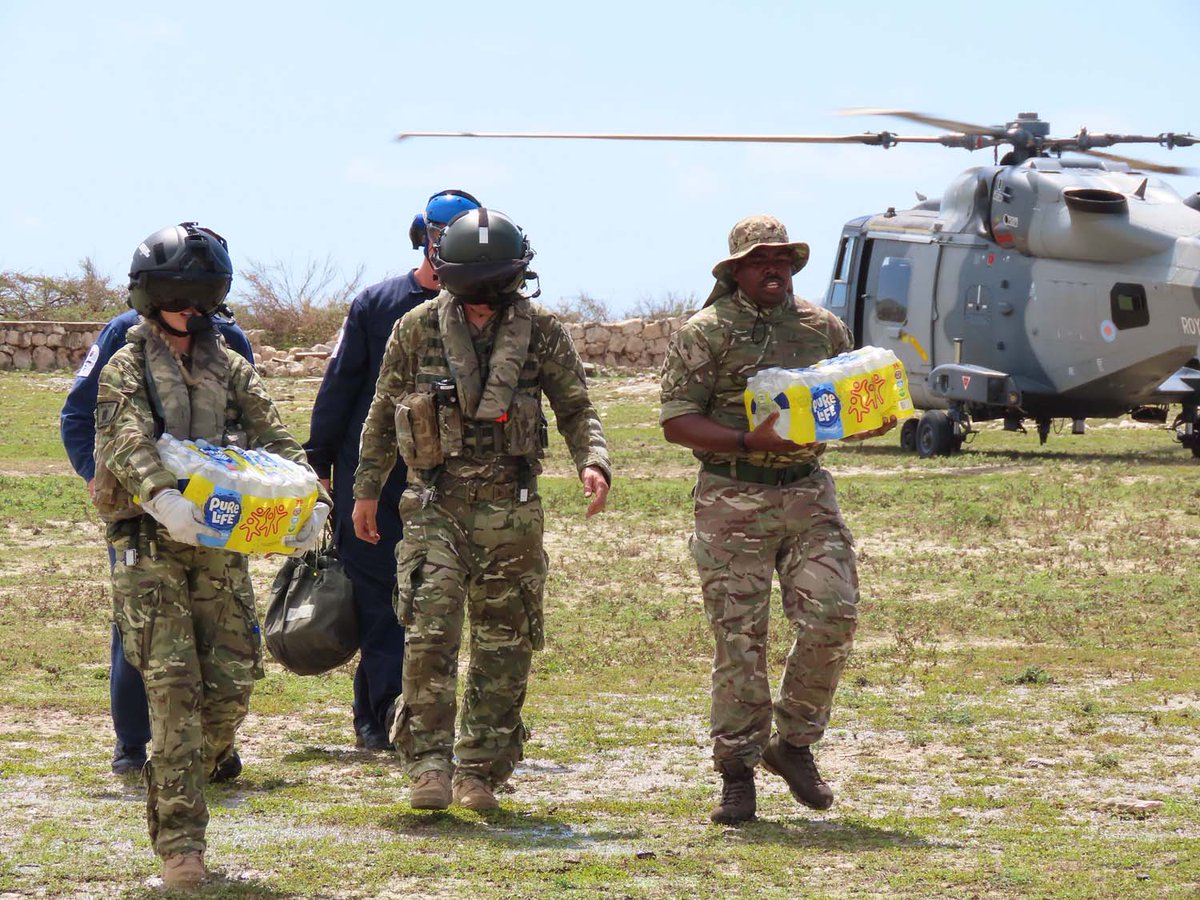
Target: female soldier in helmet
185	627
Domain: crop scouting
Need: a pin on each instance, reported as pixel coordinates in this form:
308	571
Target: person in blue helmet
77	425
337	418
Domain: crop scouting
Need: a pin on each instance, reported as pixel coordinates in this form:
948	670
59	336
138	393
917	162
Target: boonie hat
746	237
754	232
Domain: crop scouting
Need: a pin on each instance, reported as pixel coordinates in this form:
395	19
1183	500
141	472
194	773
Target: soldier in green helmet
185	612
763	504
459	397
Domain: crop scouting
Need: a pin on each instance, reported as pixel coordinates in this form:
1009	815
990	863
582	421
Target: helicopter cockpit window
1129	309
894	276
841	274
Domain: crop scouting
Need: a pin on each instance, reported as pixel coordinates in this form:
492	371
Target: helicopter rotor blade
1142	164
922	118
882	138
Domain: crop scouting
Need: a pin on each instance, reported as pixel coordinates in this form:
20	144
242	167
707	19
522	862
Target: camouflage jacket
532	355
144	392
710	359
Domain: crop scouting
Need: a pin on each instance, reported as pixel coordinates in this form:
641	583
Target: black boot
228	767
796	766
738	802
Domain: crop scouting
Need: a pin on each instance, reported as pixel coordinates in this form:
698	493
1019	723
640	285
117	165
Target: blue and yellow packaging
834	399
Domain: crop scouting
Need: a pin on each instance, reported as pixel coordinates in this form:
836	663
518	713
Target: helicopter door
839	287
897	305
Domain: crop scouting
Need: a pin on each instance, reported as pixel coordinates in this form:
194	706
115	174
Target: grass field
1026	668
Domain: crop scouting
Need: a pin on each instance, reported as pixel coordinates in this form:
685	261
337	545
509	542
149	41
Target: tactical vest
198	405
436	422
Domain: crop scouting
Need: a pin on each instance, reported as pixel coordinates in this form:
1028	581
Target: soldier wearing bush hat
763	505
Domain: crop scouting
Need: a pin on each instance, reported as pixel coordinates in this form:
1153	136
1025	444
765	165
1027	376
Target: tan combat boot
431	791
796	766
472	792
738	802
184	870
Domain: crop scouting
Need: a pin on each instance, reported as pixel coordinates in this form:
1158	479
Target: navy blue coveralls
337	421
77	423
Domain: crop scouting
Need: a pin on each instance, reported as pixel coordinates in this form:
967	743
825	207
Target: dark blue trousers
377	680
126	692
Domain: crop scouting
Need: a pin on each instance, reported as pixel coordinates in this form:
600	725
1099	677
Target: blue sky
274	122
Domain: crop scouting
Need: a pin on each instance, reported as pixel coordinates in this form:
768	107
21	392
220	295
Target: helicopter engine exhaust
1096	200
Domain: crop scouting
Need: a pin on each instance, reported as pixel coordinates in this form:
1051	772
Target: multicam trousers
744	533
187	621
483	558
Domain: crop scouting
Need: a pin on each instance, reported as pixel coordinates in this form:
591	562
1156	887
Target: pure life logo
223	510
827	411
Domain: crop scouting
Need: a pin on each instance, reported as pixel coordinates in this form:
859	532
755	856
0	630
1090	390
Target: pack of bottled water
836	398
252	498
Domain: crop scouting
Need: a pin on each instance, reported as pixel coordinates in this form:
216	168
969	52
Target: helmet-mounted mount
440	209
180	267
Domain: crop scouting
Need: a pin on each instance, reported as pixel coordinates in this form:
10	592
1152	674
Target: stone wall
45	346
632	345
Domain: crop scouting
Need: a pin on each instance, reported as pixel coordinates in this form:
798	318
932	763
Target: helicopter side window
841	274
894	276
1129	309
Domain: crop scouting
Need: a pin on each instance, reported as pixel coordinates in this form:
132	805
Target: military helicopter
1042	287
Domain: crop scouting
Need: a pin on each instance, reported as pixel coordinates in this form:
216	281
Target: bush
86	297
581	308
667	306
585	308
294	309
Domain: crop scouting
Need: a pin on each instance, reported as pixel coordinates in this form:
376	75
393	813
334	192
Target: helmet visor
202	293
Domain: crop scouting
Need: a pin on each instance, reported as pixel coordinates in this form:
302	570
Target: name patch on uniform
106	411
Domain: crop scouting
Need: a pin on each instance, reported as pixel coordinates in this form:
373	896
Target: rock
21	359
1130	806
1036	762
6	361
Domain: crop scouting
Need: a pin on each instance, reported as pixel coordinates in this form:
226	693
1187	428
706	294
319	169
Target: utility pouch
135	608
417	432
531	597
243	593
522	435
108	495
450	427
408	577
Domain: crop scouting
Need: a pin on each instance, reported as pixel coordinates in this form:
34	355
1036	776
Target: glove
309	535
181	517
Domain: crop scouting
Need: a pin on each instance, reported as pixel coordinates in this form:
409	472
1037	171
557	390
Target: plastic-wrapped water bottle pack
253	498
836	398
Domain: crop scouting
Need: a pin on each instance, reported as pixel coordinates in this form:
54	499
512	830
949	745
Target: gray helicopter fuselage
1078	282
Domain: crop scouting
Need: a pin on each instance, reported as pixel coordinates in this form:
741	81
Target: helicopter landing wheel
935	434
908	436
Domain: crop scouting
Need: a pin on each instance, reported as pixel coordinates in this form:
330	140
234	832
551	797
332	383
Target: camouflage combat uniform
472	516
746	530
186	614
